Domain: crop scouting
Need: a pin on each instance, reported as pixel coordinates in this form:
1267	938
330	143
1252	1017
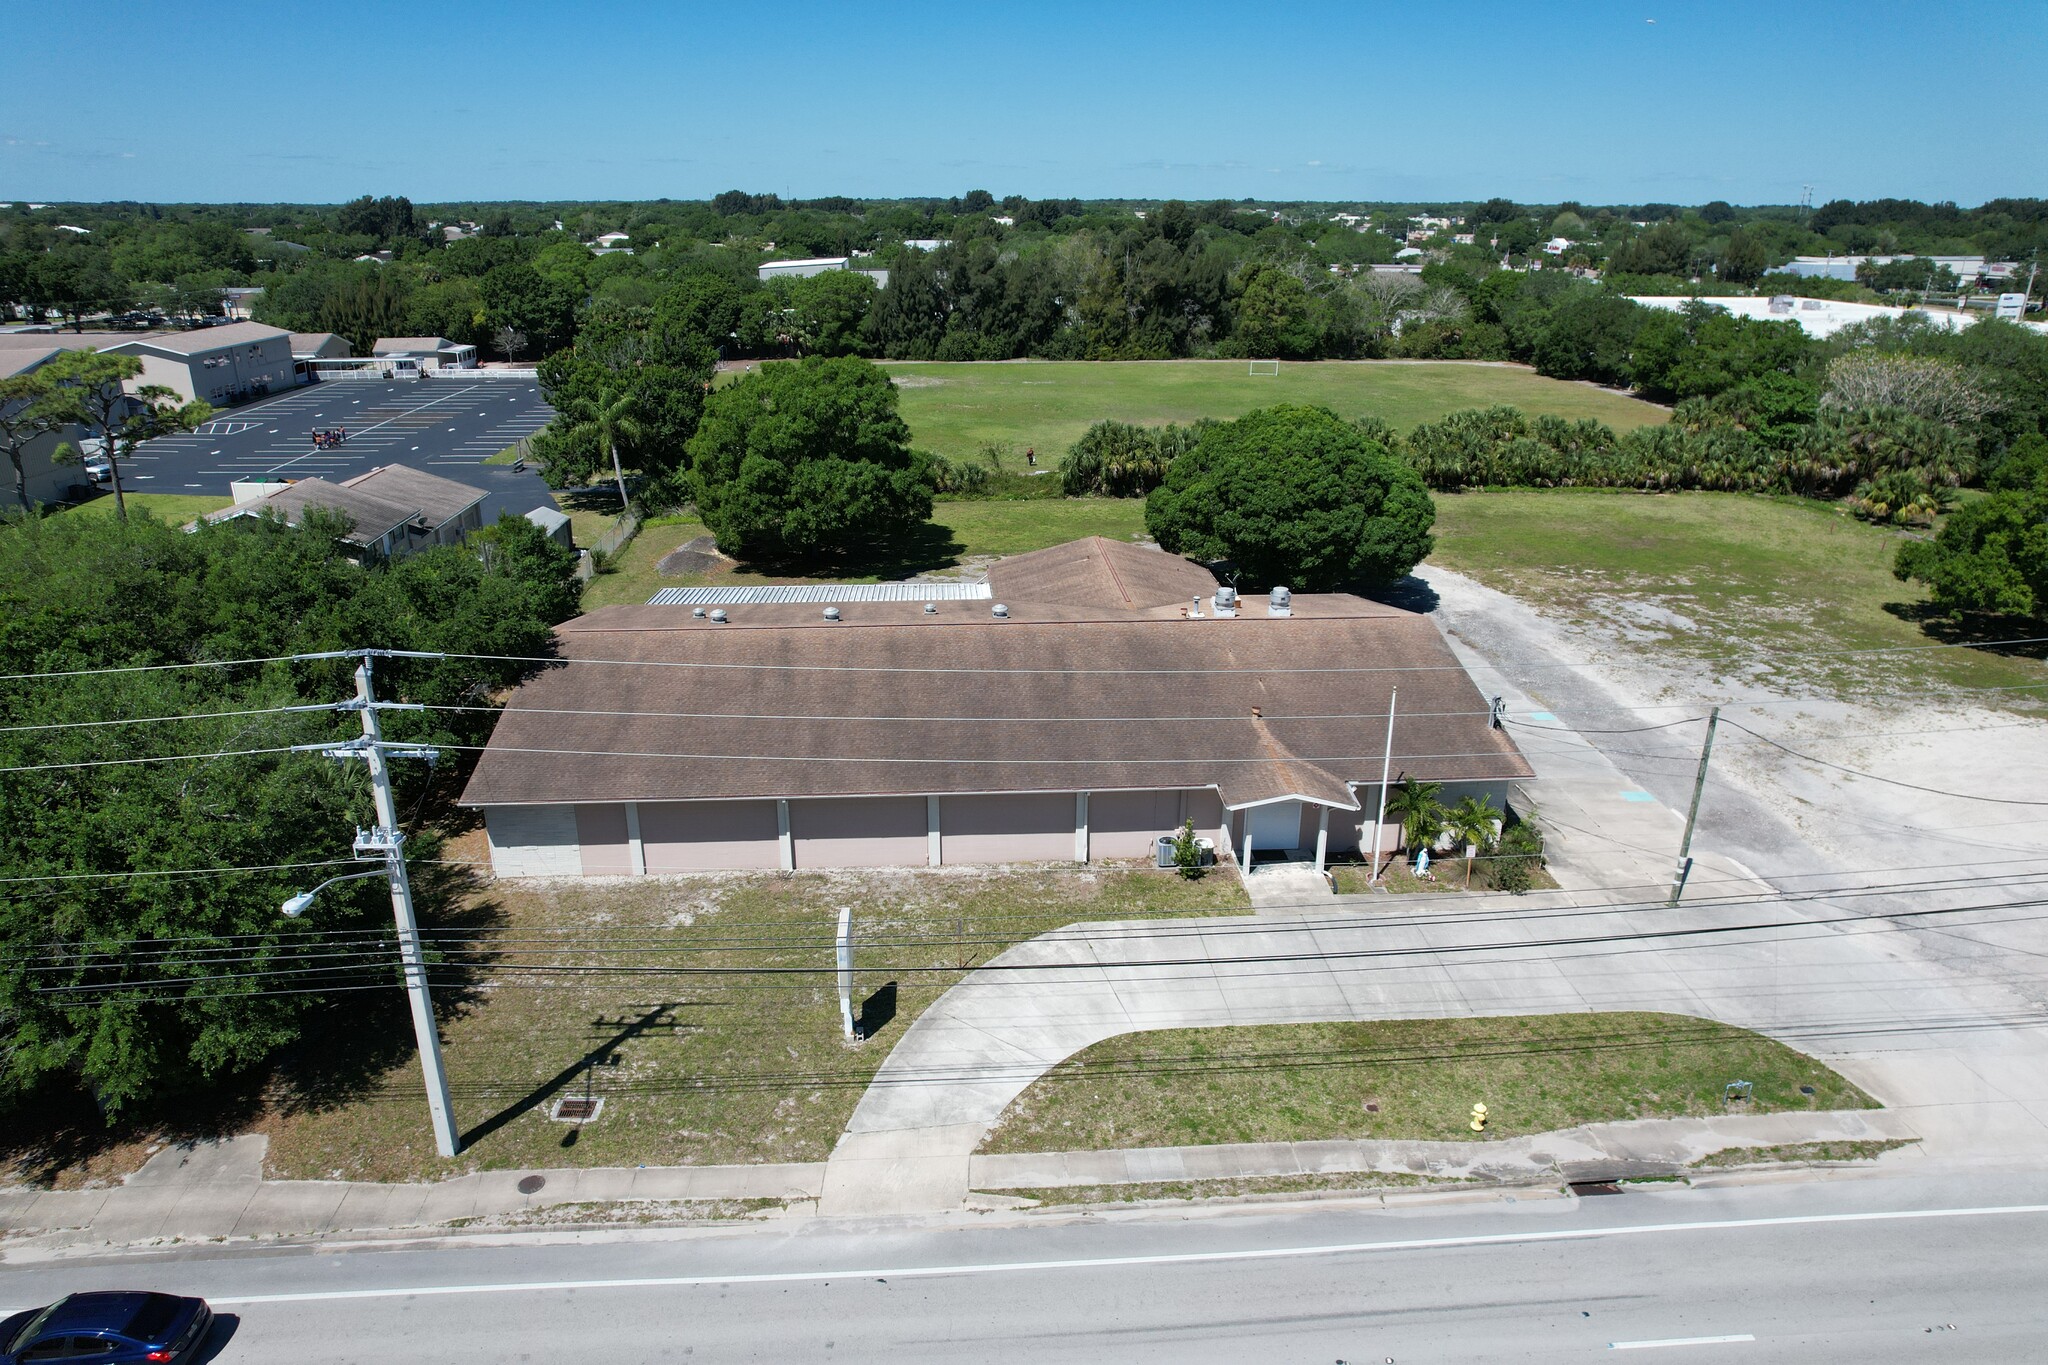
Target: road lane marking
1677	1341
1114	1262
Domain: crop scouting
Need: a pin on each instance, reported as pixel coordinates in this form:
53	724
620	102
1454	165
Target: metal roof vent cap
697	612
718	614
1226	597
999	610
831	613
1279	602
931	609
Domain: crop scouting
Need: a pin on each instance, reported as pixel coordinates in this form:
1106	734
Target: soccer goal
1271	367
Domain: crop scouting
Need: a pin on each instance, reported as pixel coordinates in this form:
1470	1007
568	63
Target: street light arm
296	905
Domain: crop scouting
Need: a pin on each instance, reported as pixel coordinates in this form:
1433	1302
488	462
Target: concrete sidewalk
210	1191
215	1191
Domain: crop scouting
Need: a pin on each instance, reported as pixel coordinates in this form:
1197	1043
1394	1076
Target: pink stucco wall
601	830
1126	824
875	831
706	836
1020	828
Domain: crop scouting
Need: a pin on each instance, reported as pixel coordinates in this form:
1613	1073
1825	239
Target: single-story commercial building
425	353
396	510
803	269
1084	702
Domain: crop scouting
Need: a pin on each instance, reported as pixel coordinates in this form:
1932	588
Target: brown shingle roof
1102	573
779	702
377	502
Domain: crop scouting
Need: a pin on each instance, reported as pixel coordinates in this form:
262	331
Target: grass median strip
1801	1152
1406	1079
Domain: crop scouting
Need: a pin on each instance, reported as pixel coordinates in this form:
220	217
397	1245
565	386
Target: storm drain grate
577	1109
1583	1188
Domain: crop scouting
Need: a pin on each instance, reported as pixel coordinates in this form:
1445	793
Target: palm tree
1416	806
1472	822
608	415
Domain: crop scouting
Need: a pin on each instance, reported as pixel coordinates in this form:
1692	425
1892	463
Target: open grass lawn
1302	1082
958	531
1757	586
176	508
954	408
693	1069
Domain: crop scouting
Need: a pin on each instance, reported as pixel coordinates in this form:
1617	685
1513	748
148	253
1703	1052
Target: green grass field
176	508
953	409
1759	586
1407	1078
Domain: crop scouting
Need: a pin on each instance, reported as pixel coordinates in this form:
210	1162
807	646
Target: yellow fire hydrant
1478	1118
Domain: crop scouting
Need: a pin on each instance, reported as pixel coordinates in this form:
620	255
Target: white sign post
2011	307
845	939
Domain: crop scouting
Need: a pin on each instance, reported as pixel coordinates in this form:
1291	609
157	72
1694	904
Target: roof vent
718	614
1226	601
697	612
831	613
999	610
931	609
1280	602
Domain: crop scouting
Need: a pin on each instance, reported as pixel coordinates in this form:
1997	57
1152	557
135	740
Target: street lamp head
296	906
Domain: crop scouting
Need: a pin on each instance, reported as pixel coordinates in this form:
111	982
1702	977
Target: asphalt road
445	426
1867	1270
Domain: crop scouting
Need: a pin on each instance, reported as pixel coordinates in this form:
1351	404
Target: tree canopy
807	460
114	977
1297	496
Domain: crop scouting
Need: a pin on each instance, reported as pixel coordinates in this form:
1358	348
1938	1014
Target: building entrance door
1275	828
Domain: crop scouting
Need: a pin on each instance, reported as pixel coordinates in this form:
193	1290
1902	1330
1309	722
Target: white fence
382	368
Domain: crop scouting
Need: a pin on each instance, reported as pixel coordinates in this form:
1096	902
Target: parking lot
447	426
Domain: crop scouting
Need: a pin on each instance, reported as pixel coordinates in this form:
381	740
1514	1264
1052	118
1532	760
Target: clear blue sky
477	99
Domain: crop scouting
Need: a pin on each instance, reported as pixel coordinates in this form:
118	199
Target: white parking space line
1677	1341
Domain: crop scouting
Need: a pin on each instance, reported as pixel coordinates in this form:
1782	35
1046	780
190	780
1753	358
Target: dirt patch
915	381
693	557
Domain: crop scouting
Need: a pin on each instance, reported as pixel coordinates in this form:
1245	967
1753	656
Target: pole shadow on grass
604	1054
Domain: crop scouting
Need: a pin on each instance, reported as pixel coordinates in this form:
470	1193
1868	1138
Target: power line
151	720
1889	781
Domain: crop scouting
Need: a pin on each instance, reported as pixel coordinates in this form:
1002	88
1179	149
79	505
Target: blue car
113	1329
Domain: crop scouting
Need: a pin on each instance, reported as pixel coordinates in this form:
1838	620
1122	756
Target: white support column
633	839
1080	827
1322	835
931	832
782	836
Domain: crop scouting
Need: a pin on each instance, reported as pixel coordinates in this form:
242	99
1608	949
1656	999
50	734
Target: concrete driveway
1818	962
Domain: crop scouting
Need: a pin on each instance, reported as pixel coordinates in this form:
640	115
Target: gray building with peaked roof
394	510
1106	695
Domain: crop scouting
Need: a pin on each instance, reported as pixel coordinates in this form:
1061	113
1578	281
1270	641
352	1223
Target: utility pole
1699	783
1386	774
387	841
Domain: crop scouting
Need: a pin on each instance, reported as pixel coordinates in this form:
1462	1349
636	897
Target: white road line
1110	1262
1676	1341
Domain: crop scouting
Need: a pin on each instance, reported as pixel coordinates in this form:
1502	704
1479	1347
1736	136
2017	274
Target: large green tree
807	460
31	408
1294	495
1990	556
90	391
134	984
